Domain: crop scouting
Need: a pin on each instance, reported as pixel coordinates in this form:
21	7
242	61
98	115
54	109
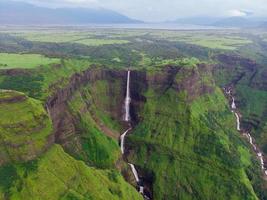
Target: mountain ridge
18	13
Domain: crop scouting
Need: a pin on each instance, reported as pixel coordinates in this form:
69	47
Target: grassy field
90	38
8	60
218	43
99	42
52	37
220	40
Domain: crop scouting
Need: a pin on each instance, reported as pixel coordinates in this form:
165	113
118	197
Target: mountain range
19	13
243	22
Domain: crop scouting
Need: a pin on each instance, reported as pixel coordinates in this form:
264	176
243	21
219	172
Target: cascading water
233	104
250	139
122	140
127	99
127	118
237	121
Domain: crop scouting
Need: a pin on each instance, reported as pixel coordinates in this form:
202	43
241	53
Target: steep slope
86	115
56	175
25	128
185	144
33	167
248	80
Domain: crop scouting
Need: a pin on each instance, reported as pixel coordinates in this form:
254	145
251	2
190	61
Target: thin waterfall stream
245	133
127	118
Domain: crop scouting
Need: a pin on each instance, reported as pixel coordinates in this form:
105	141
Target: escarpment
112	82
90	107
182	136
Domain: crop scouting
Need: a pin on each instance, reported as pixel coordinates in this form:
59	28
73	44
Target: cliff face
183	140
57	104
248	80
87	114
31	162
185	134
113	84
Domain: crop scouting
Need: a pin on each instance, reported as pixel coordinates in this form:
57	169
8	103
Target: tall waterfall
127	118
127	99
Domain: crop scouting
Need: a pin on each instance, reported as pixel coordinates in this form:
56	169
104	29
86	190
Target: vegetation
215	40
191	147
204	171
56	175
98	149
24	127
8	61
99	42
183	140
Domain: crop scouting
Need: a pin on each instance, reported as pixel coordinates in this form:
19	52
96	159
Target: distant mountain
264	25
27	14
238	22
203	21
222	22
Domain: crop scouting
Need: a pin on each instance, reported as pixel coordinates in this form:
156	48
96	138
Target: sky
162	10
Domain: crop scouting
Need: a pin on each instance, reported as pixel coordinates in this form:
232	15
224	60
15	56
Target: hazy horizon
159	11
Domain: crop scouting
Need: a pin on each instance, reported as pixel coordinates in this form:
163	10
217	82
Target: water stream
250	139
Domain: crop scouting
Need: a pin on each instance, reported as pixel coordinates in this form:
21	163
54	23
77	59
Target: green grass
191	148
152	63
52	36
253	107
24	127
98	149
43	82
219	43
86	38
8	61
215	40
57	175
254	100
100	42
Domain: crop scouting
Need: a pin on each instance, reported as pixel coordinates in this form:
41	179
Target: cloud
237	13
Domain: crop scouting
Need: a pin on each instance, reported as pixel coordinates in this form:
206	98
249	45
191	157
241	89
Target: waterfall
127	99
141	188
237	122
250	139
134	173
127	118
122	140
233	103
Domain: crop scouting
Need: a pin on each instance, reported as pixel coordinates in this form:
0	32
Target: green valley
66	91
